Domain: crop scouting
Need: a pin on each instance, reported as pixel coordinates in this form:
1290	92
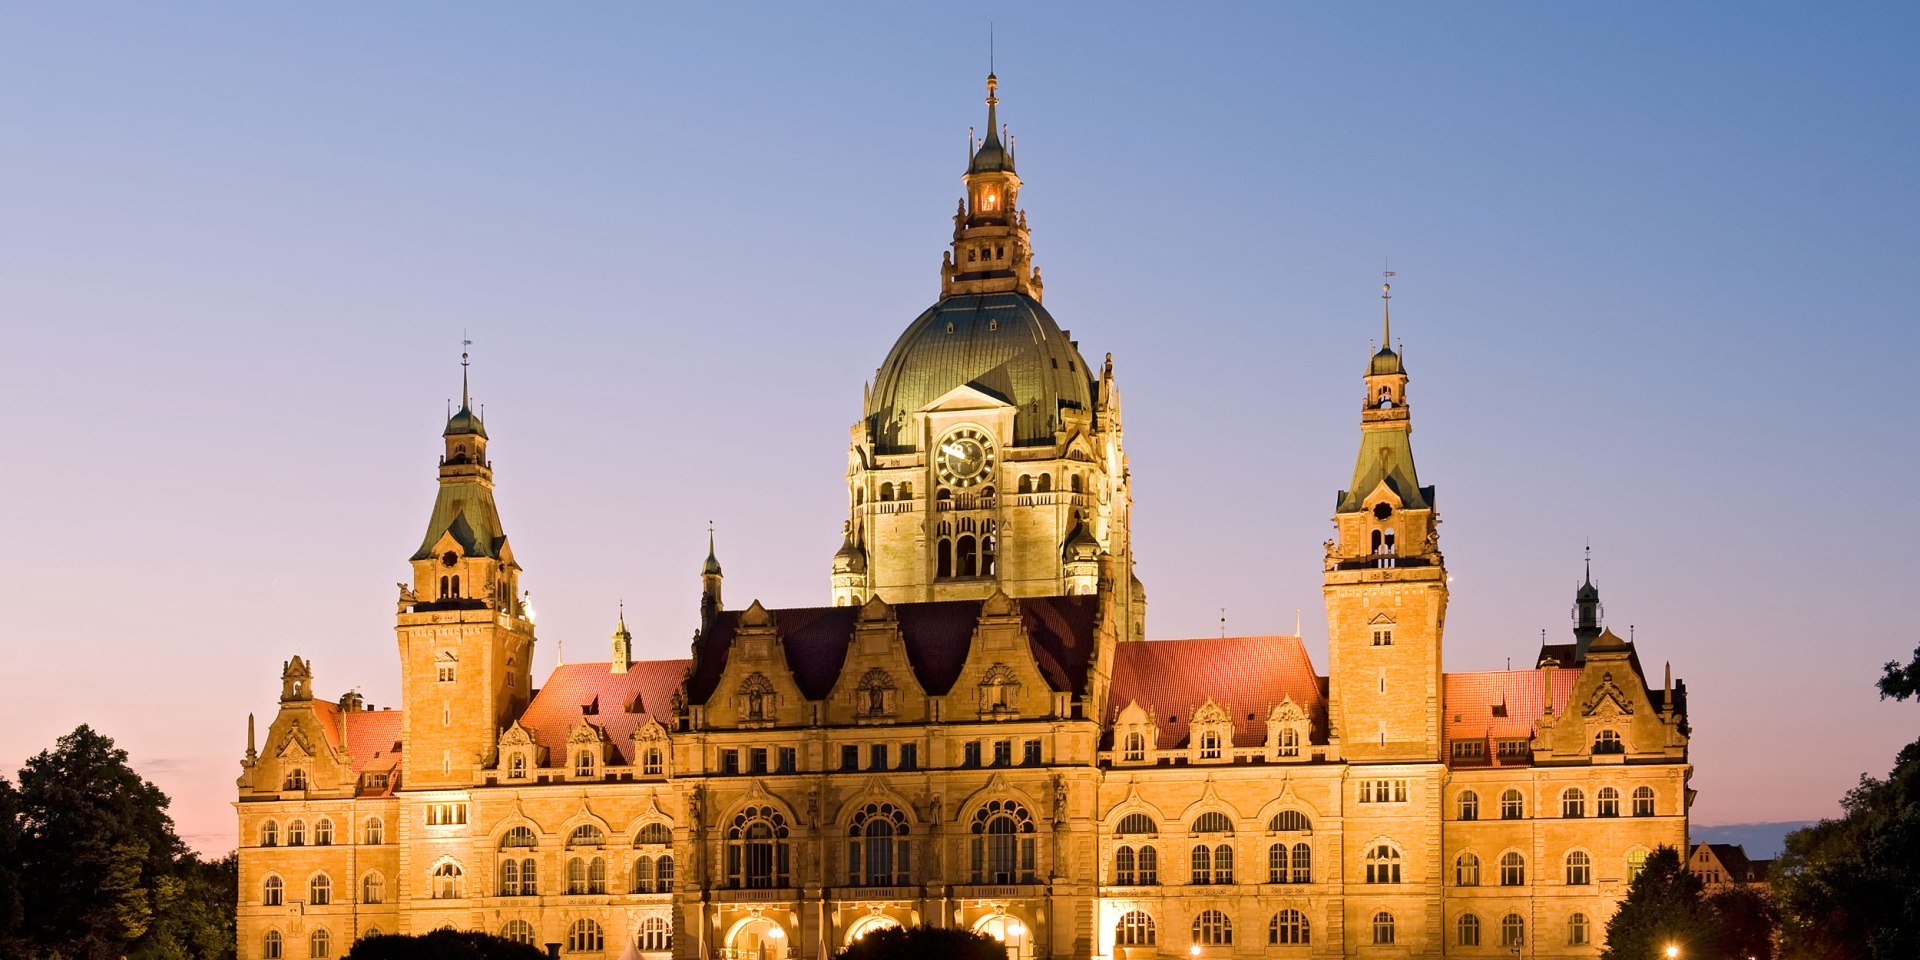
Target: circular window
450	559
1381	511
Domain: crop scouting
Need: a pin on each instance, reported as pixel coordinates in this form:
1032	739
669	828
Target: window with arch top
1212	929
586	936
272	946
269	834
1467	930
1213	821
1383	863
1134	929
877	850
655	934
1606	803
1289	927
1466	870
1513	805
1573	803
320	890
1469	805
448	881
1608	741
1513	930
654	833
1579	868
320	944
519	931
1383	929
1003	843
1513	869
1136	823
1134	752
273	892
375	832
757	852
1643	801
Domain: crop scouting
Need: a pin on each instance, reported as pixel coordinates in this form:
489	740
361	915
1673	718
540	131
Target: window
1289	927
446	814
1383	791
1136	823
1212	821
1030	753
653	762
323	833
971	756
1003	753
1212	929
663	875
586	835
585	936
296	779
273	892
1135	929
1512	805
1213	865
1513	930
1636	864
849	756
375	832
643	877
1643	801
446	673
654	833
1578	930
1383	864
789	760
519	931
1513	869
447	881
1607	802
757	760
1579	869
1466	870
1608	741
1382	636
320	890
1469	805
877	853
1210	745
1123	861
757	851
729	761
272	947
1003	843
1383	929
877	757
269	834
1513	749
1467	930
909	756
1573	803
655	934
583	764
1136	748
373	888
586	875
297	833
320	945
1289	742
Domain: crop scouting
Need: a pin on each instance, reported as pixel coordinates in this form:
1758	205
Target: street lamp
1673	951
1194	950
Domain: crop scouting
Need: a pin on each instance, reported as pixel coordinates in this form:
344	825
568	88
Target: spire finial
1386	311
1589	562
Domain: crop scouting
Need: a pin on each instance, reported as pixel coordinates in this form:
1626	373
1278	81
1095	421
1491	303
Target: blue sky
1652	282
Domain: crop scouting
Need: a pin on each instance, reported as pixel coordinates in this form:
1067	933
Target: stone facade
973	731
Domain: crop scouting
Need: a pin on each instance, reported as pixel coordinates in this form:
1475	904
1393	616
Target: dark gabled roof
1060	633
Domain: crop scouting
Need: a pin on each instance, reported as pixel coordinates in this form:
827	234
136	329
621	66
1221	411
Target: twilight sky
1652	262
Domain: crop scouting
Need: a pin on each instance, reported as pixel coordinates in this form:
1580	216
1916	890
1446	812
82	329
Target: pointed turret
1386	429
992	251
622	643
1586	613
710	578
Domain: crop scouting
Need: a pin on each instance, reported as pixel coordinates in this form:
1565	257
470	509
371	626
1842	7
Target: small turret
1586	613
622	643
849	571
710	577
296	681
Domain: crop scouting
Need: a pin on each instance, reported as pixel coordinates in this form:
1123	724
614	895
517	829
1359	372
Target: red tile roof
622	703
1502	703
1246	675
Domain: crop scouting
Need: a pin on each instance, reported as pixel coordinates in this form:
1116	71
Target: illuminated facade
973	730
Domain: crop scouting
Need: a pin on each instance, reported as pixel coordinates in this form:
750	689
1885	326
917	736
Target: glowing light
1673	950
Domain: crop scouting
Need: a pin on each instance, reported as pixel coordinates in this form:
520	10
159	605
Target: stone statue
813	806
1059	800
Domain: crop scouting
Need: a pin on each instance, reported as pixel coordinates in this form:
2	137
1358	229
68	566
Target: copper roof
1246	675
620	703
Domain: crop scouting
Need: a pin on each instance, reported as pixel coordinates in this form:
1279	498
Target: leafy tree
1746	920
1901	682
923	943
1664	905
441	945
12	914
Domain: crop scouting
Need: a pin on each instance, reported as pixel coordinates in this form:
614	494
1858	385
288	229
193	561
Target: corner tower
1386	583
465	634
989	453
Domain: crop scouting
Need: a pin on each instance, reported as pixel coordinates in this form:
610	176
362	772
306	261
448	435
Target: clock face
964	457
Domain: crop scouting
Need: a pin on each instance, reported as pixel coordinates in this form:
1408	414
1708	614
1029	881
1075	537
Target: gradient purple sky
1654	284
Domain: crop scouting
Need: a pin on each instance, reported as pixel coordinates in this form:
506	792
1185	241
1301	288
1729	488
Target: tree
12	912
441	945
1746	920
1849	888
923	943
1664	905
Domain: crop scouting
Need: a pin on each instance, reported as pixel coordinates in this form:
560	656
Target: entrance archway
868	924
1009	930
757	939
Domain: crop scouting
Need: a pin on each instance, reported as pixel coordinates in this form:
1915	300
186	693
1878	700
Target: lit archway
1015	933
757	938
868	924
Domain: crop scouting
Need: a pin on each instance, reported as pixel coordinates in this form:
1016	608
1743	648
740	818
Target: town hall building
973	729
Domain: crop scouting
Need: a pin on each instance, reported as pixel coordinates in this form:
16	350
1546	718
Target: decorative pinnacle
1386	311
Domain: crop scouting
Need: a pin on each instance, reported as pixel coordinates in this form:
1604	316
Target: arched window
373	888
320	944
273	892
1136	748
272	946
1213	821
757	849
520	837
586	875
448	880
1606	803
1289	821
1289	927
585	936
654	833
1512	805
877	847
1636	864
1579	869
886	491
1302	863
663	875
296	779
1075	482
1123	867
1573	803
906	491
967	556
1025	484
269	834
653	763
509	877
1137	823
1608	741
1469	805
1223	864
1466	870
1003	843
443	588
1579	931
1201	867
1467	930
519	931
320	890
1513	869
586	835
1383	928
1212	929
642	875
1147	867
1135	929
323	833
296	833
987	549
943	560
1643	801
655	934
1383	864
1513	930
375	831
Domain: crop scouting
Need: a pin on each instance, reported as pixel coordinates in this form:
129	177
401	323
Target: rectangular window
909	756
757	760
729	761
789	760
446	673
1383	637
1512	748
972	758
1030	756
849	756
877	757
1383	791
1003	753
1469	749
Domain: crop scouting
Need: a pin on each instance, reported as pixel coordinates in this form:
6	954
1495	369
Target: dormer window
583	764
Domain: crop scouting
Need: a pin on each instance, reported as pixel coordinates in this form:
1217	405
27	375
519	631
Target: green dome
1385	363
1005	345
465	423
